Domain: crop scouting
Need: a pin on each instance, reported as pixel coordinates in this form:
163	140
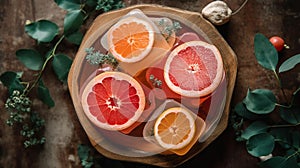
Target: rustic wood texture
63	130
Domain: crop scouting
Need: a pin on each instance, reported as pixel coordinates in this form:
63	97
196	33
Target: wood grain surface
63	130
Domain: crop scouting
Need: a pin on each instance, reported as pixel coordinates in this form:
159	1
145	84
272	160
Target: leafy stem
280	85
52	54
284	125
259	103
18	103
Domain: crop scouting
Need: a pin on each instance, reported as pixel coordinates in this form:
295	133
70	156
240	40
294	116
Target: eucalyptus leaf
42	30
280	162
265	53
83	152
12	81
30	58
75	38
260	101
260	145
72	22
296	139
241	110
254	128
61	65
289	63
91	3
87	161
68	4
282	136
44	94
290	115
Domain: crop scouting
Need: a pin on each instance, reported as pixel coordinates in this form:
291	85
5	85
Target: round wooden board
230	66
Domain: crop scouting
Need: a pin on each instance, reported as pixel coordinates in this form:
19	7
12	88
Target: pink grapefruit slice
194	69
113	100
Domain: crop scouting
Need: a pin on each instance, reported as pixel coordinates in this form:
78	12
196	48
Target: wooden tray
195	20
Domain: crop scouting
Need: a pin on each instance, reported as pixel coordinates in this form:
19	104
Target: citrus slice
174	128
194	69
130	39
113	100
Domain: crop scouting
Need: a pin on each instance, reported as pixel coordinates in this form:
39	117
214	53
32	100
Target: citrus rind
145	51
191	122
118	76
194	93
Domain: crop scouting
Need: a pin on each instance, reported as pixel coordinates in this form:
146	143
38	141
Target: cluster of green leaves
19	108
262	134
48	37
97	58
89	159
168	29
155	81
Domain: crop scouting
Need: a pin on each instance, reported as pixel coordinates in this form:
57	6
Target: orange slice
113	100
130	39
174	128
194	69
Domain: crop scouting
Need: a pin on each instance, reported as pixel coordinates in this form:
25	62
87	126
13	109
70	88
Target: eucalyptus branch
259	103
284	125
288	143
281	105
18	103
280	85
36	81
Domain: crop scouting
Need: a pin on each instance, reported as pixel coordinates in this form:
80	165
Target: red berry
277	42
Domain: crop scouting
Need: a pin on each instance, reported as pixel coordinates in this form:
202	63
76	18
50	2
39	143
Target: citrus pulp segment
130	39
113	100
194	69
174	128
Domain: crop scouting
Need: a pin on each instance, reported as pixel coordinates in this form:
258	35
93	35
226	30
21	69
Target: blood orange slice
130	39
113	100
194	69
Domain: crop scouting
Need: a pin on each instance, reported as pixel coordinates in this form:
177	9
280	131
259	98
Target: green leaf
282	136
84	156
68	4
44	94
30	58
42	30
265	53
12	81
61	65
83	152
260	101
255	128
91	3
290	115
72	22
241	110
296	139
289	63
75	38
280	162
260	145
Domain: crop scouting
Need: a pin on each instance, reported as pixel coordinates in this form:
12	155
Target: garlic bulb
217	12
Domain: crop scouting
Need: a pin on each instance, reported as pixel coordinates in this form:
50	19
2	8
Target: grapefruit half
194	69
113	100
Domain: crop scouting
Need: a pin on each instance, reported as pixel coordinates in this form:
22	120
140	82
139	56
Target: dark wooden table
63	130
